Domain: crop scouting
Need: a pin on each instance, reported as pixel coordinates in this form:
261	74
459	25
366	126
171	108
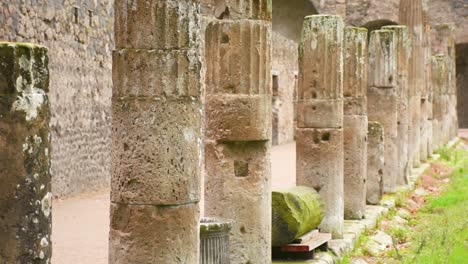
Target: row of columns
384	84
159	148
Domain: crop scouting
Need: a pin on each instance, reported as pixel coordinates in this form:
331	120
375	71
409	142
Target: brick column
355	122
320	115
403	122
156	133
238	126
411	15
25	189
383	97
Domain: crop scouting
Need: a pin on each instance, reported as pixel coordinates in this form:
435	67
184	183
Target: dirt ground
81	224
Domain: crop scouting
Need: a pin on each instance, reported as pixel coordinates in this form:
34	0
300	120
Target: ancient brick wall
79	35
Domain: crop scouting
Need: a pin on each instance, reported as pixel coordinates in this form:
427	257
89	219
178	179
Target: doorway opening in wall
462	84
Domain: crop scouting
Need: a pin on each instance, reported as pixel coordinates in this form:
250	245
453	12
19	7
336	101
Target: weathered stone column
25	189
440	81
238	127
375	162
445	38
382	97
320	115
426	97
355	122
156	133
403	57
411	15
444	44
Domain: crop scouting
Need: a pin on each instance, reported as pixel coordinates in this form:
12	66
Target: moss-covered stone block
295	212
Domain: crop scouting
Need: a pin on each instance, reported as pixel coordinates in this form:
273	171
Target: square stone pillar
411	15
319	136
157	148
382	95
25	189
403	122
375	162
355	122
238	126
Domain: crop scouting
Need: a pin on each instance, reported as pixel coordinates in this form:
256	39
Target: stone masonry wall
79	36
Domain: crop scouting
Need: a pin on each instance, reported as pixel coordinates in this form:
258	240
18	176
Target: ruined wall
455	12
451	11
362	12
79	35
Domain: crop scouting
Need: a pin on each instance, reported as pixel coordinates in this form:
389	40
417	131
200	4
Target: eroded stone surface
320	95
154	234
320	166
238	187
375	162
383	98
238	126
355	122
157	149
138	24
403	118
25	192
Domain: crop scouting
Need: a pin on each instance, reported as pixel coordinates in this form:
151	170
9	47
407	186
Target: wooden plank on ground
307	246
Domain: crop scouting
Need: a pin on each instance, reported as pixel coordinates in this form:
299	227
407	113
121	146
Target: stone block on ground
295	212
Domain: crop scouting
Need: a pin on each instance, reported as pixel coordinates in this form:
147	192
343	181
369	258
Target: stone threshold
353	229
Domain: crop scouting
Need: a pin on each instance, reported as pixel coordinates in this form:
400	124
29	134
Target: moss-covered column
383	97
25	189
403	44
440	82
411	15
375	162
355	122
320	115
238	126
156	133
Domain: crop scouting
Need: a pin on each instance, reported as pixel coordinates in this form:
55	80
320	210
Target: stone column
319	136
444	44
355	122
383	97
440	81
403	121
156	133
375	162
426	100
25	189
238	127
445	36
411	15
